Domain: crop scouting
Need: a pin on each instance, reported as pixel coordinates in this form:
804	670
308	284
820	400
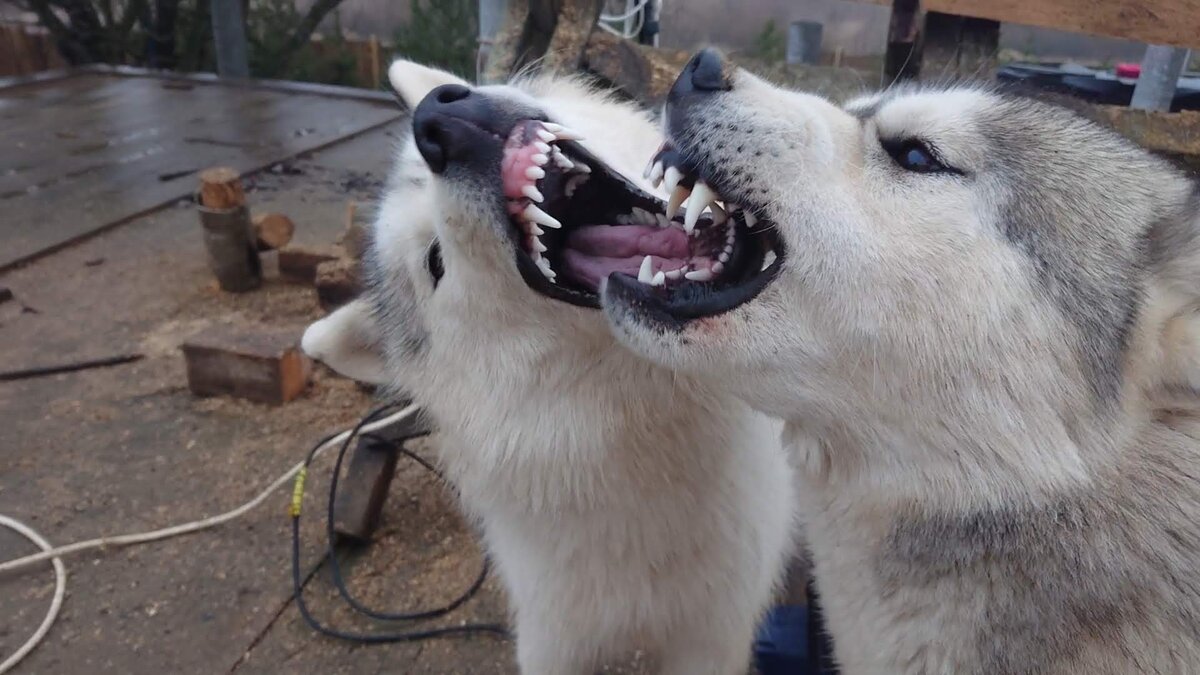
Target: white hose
60	572
60	589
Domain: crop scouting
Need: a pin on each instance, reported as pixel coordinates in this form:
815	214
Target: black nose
704	73
447	123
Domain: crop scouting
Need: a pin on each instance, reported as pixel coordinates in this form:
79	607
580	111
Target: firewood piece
299	263
261	364
221	188
272	231
337	283
364	490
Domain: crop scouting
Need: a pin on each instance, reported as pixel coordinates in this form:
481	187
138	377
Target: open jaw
577	222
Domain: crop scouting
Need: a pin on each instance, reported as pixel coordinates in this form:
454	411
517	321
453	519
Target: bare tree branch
308	25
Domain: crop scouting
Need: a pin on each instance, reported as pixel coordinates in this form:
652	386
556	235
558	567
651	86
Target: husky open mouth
577	222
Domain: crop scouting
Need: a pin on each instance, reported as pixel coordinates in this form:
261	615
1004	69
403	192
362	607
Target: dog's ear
413	80
349	342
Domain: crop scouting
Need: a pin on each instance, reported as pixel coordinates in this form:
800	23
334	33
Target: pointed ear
413	80
349	342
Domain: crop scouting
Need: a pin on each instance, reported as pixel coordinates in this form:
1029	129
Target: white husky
625	506
980	324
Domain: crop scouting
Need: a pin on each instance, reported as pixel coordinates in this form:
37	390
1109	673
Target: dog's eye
913	155
434	262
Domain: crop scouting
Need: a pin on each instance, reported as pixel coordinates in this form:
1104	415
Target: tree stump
228	234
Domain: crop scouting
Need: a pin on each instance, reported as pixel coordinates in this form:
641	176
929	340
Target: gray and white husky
624	506
977	314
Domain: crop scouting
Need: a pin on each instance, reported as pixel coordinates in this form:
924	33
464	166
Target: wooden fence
25	50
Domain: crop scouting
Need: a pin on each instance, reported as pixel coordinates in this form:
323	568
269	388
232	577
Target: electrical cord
373	422
336	574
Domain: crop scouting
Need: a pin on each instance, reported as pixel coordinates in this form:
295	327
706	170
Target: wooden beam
959	46
1165	22
903	57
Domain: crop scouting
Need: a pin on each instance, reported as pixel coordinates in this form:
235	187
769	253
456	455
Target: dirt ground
128	449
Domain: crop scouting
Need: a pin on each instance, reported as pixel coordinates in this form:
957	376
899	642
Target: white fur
625	506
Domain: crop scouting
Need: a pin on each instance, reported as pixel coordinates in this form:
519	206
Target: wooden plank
93	149
1167	22
902	60
959	46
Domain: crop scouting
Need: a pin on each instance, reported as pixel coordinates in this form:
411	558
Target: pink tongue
592	253
620	241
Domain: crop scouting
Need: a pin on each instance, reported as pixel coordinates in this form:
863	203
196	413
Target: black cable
331	557
44	371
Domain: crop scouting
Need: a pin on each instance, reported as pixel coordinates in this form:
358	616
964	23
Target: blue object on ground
782	644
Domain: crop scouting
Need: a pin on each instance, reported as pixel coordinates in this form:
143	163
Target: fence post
804	43
229	38
1161	67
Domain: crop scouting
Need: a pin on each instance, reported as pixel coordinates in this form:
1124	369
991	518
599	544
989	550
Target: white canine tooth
751	221
535	173
573	183
723	258
701	197
546	136
532	192
561	160
562	132
656	174
643	216
679	194
646	273
541	147
718	267
535	215
539	158
662	220
699	275
671	178
660	279
582	168
718	214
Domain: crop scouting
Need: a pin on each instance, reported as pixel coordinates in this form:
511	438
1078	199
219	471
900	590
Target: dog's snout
447	122
705	73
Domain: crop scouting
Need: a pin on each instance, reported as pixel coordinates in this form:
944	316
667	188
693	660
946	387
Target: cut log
261	364
337	283
272	231
299	263
221	188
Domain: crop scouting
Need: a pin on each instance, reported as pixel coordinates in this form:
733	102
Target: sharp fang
751	221
718	214
561	160
701	197
573	183
535	173
677	197
532	192
656	174
671	178
546	136
539	246
543	148
539	158
562	132
534	229
718	267
699	275
535	215
662	220
646	273
643	216
660	279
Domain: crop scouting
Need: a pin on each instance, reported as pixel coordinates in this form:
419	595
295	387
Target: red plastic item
1129	70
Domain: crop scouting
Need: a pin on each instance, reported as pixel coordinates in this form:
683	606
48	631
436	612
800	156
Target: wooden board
1166	22
89	149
